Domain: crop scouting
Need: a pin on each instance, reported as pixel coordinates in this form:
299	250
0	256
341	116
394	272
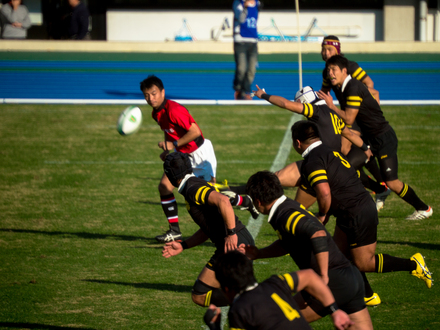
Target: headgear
176	166
306	95
332	41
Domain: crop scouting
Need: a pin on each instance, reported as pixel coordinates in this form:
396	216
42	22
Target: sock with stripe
169	206
386	264
409	196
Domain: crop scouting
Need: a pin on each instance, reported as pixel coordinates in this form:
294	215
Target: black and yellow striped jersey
269	305
354	70
370	117
330	125
196	192
295	226
321	165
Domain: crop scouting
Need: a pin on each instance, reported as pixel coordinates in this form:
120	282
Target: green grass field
79	210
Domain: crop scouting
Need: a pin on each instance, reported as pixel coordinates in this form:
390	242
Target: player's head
153	91
330	46
304	133
234	271
337	69
306	95
264	187
176	166
151	81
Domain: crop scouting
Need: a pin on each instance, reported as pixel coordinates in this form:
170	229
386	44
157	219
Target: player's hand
212	317
164	155
341	320
166	145
249	251
369	154
171	249
259	92
231	242
326	97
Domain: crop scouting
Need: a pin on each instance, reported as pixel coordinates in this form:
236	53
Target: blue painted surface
198	80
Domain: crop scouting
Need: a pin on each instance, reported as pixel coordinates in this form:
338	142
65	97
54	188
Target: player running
362	107
181	133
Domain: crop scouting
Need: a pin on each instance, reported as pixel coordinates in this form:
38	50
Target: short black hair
264	186
304	130
150	81
234	270
339	61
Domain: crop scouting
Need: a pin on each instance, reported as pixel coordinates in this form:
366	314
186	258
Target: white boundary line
184	102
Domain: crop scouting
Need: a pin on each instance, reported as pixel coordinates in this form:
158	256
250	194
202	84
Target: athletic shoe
422	271
222	186
374	300
420	215
237	95
380	198
169	236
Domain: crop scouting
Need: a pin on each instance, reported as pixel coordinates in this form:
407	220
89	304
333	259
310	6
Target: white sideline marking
278	163
184	102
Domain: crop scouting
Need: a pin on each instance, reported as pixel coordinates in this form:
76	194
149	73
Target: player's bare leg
304	198
289	176
207	290
362	320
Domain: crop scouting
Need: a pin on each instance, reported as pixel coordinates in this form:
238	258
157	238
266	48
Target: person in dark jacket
79	21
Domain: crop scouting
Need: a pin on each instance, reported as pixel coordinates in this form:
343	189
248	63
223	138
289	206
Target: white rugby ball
129	121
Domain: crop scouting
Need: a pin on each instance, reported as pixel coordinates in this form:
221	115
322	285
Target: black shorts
244	236
361	229
384	147
347	287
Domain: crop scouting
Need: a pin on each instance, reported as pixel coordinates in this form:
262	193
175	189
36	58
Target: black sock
240	190
368	290
169	206
374	169
409	196
370	183
386	263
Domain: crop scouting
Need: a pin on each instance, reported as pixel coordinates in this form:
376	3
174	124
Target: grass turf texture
79	210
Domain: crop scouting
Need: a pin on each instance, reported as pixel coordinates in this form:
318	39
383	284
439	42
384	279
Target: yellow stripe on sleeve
201	194
289	281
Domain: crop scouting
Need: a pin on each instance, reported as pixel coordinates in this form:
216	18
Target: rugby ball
129	121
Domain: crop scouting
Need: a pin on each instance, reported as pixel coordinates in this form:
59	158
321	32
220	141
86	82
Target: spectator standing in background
79	21
14	20
245	46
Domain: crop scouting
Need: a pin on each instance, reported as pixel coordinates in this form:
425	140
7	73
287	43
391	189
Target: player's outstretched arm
311	282
172	249
279	101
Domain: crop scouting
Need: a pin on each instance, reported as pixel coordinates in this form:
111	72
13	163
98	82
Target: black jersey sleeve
199	193
315	173
353	96
325	80
356	71
290	280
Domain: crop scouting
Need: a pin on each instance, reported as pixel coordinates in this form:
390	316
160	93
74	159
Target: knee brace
213	295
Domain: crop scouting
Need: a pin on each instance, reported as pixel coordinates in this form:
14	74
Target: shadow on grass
149	241
425	246
81	235
154	286
38	326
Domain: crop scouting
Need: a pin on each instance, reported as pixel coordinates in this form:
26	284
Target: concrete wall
399	20
211	47
124	25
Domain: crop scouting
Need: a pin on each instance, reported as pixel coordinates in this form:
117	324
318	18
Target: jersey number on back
288	311
343	160
337	123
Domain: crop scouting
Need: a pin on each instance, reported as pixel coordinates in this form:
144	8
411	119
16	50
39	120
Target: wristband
175	144
320	214
184	245
331	309
266	96
231	232
365	147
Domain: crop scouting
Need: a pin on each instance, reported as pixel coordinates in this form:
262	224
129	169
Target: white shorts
203	161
